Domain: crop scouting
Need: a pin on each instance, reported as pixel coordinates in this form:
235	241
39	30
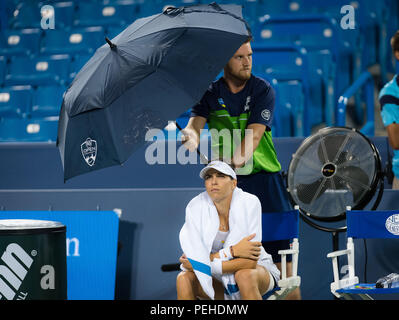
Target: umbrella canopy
152	72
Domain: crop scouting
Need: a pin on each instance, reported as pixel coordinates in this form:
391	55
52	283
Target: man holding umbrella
242	101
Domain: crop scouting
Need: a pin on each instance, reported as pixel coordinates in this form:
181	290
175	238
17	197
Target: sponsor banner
91	249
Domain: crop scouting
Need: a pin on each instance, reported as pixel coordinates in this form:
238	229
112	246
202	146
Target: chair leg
282	293
346	296
365	296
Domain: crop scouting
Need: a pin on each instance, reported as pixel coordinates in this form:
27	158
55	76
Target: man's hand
190	139
191	133
253	133
186	264
247	248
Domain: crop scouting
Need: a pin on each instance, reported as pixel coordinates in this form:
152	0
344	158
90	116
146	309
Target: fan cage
330	178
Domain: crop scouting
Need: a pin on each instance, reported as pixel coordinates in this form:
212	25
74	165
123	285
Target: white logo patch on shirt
266	114
246	107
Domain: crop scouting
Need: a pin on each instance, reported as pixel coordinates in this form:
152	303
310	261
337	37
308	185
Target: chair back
372	224
280	225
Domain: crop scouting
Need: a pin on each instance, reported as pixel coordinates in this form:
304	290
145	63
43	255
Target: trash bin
32	260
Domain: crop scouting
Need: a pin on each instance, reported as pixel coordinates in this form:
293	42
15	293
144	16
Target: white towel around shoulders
200	228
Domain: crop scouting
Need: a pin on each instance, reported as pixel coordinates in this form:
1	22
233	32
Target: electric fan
332	169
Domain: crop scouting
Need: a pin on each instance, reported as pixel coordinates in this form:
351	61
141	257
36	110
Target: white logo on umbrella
89	151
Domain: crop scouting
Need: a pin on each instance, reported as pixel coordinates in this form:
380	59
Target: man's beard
241	76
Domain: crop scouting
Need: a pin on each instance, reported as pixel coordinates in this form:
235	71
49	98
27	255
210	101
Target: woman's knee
184	278
186	286
246	277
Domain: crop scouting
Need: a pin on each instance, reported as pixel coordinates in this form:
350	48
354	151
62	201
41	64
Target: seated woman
221	241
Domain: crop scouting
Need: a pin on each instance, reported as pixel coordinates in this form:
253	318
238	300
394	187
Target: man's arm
191	133
393	135
253	134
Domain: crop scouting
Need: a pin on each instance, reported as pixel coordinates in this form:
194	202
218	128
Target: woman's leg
253	283
189	288
186	285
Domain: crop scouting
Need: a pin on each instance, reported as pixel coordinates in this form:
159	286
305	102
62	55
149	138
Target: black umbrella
152	72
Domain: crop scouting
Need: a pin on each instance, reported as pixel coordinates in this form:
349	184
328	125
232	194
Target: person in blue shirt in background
389	101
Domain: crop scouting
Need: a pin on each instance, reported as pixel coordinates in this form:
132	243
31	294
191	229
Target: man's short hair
249	39
395	42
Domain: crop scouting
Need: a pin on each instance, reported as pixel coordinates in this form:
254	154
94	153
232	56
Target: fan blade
355	179
329	147
305	192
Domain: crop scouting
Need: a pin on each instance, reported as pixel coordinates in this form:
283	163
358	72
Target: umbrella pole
203	158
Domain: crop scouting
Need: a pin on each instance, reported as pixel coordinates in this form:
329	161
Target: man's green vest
227	133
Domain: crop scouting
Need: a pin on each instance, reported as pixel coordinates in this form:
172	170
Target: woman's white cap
220	166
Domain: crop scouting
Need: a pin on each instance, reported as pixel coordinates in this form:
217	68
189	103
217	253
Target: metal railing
365	80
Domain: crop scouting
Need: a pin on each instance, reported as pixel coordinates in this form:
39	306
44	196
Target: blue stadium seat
85	40
47	101
312	6
64	12
372	20
272	7
101	14
289	109
289	61
19	42
29	14
286	63
251	10
369	18
3	66
290	105
28	130
315	32
26	15
15	102
38	70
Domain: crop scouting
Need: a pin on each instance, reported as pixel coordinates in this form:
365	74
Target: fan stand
336	231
